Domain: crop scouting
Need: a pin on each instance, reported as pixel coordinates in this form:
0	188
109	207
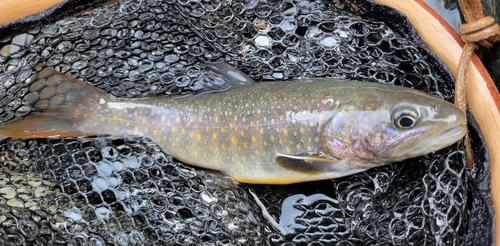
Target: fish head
392	124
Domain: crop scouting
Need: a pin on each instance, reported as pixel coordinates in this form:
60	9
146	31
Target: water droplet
172	58
313	32
102	213
51	31
9	49
54	60
341	33
262	40
145	65
329	41
288	25
79	65
99	184
72	57
135	75
22	39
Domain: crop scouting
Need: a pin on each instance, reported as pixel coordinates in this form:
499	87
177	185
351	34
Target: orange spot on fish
245	145
254	139
222	129
214	136
155	132
223	147
302	130
233	140
191	134
242	133
92	116
143	120
164	138
272	138
211	148
127	123
264	154
173	129
115	117
101	118
146	130
285	132
261	130
183	130
207	129
198	137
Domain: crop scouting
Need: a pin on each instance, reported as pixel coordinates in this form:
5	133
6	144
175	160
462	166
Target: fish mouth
435	142
453	134
443	139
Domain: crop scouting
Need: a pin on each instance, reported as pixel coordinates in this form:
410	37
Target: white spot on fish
329	101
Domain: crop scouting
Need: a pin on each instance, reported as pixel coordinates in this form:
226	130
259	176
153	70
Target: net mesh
126	191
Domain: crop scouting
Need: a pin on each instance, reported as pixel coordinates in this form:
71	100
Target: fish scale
268	132
238	126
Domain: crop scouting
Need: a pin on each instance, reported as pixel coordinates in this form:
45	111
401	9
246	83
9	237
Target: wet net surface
106	190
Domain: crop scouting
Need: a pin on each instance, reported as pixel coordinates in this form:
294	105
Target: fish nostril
436	109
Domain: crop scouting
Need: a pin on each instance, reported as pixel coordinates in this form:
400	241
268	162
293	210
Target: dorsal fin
220	76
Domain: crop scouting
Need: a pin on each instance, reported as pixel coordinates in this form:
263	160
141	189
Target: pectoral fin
308	164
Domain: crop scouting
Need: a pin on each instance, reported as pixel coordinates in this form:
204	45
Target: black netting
107	190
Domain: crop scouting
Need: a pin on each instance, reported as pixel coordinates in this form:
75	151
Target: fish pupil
405	121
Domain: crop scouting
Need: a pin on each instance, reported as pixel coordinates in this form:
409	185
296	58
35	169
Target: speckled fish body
268	132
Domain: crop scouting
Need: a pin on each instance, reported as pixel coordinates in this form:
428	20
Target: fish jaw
438	141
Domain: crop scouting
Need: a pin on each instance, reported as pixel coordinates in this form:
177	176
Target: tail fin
55	97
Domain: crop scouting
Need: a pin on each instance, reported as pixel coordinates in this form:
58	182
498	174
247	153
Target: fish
255	132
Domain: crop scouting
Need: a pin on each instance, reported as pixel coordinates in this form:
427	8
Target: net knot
483	31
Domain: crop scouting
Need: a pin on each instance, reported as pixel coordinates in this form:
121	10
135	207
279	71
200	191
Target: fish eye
405	121
404	116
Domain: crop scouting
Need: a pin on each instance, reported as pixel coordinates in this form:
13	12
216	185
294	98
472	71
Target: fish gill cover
105	190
